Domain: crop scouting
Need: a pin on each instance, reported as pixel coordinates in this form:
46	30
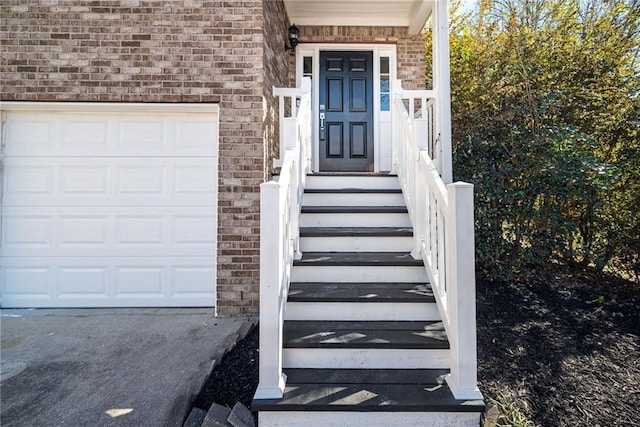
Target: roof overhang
378	13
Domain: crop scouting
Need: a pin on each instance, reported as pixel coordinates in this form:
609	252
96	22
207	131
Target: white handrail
442	219
280	203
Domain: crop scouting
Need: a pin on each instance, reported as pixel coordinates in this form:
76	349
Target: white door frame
381	119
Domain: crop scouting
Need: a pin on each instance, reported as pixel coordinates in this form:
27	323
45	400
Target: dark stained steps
352	191
356	232
354	209
358	259
368	390
364	334
361	292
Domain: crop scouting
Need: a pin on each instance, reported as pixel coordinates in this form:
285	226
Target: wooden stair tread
361	174
397	259
365	334
377	390
366	376
354	209
353	190
360	292
355	231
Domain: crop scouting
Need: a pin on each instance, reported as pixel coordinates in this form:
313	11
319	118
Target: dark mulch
236	377
565	352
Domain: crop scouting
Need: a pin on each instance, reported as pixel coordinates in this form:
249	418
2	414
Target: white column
461	292
442	87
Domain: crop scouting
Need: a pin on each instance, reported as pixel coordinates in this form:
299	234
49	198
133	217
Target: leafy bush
546	118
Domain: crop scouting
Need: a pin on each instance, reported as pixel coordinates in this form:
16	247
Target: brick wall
152	51
410	49
279	66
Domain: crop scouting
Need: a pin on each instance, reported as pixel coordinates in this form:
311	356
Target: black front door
346	111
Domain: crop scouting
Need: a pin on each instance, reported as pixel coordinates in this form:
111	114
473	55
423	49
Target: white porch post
271	378
442	87
461	292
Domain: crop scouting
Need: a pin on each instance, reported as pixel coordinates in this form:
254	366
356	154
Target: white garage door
109	205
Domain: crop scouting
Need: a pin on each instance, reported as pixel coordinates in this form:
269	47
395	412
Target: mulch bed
565	352
236	377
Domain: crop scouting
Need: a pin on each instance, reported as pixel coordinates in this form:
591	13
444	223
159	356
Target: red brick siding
410	49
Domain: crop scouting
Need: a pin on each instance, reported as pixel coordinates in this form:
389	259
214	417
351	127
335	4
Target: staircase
363	341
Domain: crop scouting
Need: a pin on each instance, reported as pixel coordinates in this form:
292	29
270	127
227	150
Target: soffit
394	13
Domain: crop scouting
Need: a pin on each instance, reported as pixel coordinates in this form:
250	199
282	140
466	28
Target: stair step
353	190
354	209
354	216
356	239
423	377
355	231
353	197
348	267
368	397
364	390
356	273
360	259
363	311
355	173
369	335
361	301
366	358
360	292
352	181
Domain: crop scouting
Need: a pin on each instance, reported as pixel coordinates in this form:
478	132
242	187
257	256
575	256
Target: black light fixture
294	38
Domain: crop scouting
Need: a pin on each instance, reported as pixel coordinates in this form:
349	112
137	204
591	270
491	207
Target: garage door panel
86	232
194	178
25	281
29	231
114	282
192	280
79	281
31	133
73	181
27	179
98	135
190	230
140	281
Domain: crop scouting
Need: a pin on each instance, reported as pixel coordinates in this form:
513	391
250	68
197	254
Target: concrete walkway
121	367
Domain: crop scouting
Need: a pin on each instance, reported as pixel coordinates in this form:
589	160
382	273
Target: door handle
321	121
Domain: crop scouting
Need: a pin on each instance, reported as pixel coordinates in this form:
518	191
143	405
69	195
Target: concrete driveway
103	367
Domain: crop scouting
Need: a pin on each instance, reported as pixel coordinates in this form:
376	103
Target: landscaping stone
217	416
241	416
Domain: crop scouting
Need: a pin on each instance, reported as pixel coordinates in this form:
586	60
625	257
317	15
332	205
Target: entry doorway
346	111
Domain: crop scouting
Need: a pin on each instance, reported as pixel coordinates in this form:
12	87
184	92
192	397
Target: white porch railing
280	203
442	218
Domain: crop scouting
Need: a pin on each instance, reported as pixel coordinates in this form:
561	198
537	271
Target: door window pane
385	87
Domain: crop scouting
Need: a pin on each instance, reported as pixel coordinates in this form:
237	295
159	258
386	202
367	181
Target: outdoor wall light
294	38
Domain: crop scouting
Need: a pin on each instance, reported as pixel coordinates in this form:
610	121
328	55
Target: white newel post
461	291
271	378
